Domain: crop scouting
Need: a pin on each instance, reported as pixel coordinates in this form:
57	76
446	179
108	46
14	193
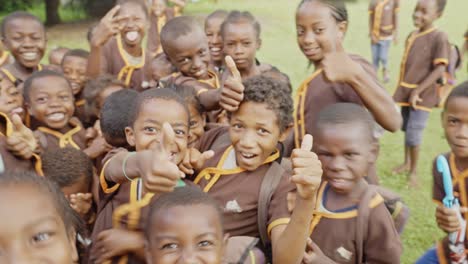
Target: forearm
295	235
210	99
94	62
114	171
432	78
377	100
153	35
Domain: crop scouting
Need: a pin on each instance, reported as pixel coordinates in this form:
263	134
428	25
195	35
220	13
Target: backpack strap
362	221
269	184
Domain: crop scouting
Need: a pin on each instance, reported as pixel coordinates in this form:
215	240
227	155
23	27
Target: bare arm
432	78
396	22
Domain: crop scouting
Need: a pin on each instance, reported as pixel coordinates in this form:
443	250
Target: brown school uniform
80	109
460	183
115	62
382	14
274	73
154	32
53	139
424	51
335	232
237	190
5	58
15	79
10	162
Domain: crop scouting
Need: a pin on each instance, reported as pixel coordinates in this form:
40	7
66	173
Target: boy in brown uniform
351	223
454	122
424	62
383	28
159	16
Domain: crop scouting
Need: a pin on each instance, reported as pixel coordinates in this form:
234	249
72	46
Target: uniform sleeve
108	187
383	243
437	185
371	7
441	49
278	213
396	6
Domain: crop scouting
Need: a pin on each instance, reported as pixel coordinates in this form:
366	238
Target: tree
52	12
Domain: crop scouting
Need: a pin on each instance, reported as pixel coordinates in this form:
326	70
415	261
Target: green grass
280	49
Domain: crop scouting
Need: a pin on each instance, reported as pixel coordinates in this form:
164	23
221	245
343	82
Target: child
215	42
197	115
149	121
186	218
24	36
95	93
160	14
383	28
234	176
5	57
186	46
240	32
56	56
351	223
338	77
454	122
420	69
74	65
49	99
116	44
17	142
41	226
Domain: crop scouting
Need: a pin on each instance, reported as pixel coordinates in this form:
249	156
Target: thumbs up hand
195	160
307	169
338	66
232	92
22	142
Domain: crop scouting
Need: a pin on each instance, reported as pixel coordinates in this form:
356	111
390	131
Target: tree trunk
52	14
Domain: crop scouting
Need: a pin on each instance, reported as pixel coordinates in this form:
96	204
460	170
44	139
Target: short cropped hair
38	75
17	15
236	17
182	196
177	27
67	166
81	53
459	91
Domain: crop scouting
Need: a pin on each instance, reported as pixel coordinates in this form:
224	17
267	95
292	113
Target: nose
19	254
462	133
28	42
309	37
197	63
188	257
217	39
336	164
239	50
247	140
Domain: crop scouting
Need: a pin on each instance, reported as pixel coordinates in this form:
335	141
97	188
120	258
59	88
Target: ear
203	116
284	135
28	108
259	43
342	28
130	136
225	241
72	241
375	150
148	256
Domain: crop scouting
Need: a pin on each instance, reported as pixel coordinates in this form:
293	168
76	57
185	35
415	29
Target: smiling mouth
132	35
30	56
56	117
17	111
247	155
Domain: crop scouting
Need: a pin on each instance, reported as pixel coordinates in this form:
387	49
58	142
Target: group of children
190	150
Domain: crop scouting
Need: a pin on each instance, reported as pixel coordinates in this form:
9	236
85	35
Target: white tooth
215	49
30	55
56	117
132	35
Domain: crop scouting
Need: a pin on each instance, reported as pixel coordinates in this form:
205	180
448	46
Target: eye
169	246
263	131
318	30
350	155
237	126
202	52
453	121
205	243
64	97
150	129
193	123
300	31
179	132
41	100
41	237
184	60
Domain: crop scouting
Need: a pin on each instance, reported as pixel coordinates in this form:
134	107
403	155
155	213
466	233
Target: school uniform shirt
423	52
334	232
75	137
460	183
237	190
382	14
116	61
154	32
5	58
10	162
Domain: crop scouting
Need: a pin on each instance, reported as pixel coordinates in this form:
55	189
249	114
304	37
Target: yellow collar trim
218	171
128	69
213	80
8	125
64	139
4	57
378	17
80	102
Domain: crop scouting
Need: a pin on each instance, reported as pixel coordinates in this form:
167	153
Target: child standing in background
383	28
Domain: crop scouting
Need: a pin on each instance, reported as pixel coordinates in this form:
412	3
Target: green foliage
13	5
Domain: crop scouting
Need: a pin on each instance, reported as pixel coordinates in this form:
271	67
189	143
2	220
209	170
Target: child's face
425	13
133	30
81	186
26	40
254	137
102	96
455	123
241	43
215	41
345	155
74	69
146	131
34	231
197	127
51	101
190	54
186	234
159	6
317	30
11	100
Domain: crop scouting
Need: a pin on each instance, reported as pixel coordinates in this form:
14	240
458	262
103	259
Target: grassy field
280	49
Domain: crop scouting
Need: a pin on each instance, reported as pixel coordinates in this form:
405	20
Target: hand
307	169
159	173
117	242
98	146
110	25
314	254
81	202
338	66
374	39
415	98
447	219
22	142
194	160
232	92
395	38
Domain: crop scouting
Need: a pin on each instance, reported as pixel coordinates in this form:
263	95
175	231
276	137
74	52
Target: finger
233	85
231	65
112	12
307	142
168	136
18	125
207	155
229	102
